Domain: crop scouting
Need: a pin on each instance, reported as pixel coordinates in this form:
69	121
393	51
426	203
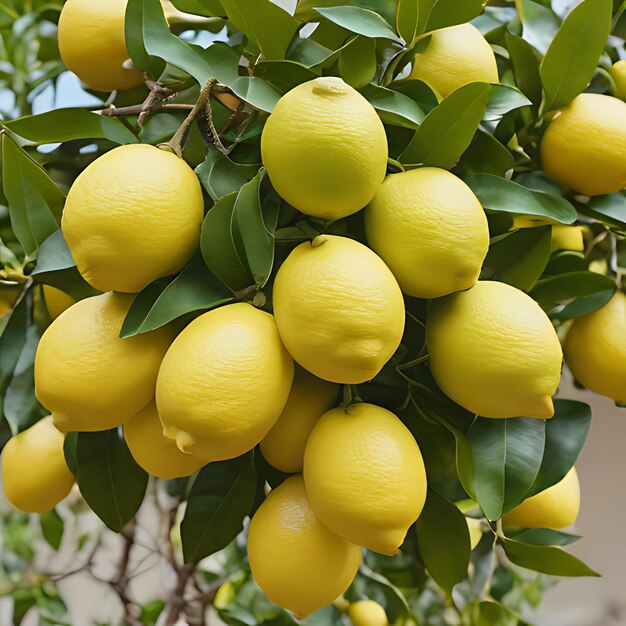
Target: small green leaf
306	9
208	8
357	62
394	107
545	559
112	484
446	132
360	21
52	528
489	613
525	67
500	194
135	27
219	175
573	55
220	499
502	100
435	14
540	25
444	542
486	155
544	537
407	19
610	209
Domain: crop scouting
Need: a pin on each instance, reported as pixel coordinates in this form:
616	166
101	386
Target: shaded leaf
540	25
52	528
502	100
435	14
544	537
219	175
486	155
407	19
357	62
610	209
360	21
525	67
394	107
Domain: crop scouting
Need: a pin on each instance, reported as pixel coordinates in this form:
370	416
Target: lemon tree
309	272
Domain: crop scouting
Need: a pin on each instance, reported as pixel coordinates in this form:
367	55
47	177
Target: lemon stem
609	79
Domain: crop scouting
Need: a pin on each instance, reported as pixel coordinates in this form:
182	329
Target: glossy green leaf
52	527
545	559
446	132
306	9
573	55
219	175
502	100
544	537
500	194
70	447
360	21
486	155
566	261
525	67
220	499
435	14
357	62
443	539
394	107
285	75
407	20
135	26
112	484
209	8
610	209
540	25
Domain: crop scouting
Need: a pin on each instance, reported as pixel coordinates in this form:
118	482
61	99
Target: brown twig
158	93
120	584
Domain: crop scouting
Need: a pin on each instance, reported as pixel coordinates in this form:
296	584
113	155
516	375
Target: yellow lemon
367	613
132	216
224	382
157	454
298	563
56	301
595	349
86	375
584	147
475	531
618	72
557	507
365	476
34	473
93	45
568	238
430	229
494	351
309	398
454	57
338	309
325	148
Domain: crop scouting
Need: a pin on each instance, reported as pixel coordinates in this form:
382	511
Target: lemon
367	613
595	349
86	375
430	229
584	147
568	238
494	351
475	531
157	454
93	45
309	398
298	563
133	215
455	56
325	148
34	473
618	72
224	382
557	507
56	301
365	476
338	309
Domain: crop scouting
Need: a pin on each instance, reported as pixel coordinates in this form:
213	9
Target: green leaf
70	447
443	539
525	67
545	559
565	435
357	62
521	258
489	613
435	14
573	55
220	499
112	484
219	248
263	22
35	202
407	19
540	25
502	100
360	21
500	194
194	289
394	107
135	34
208	8
69	124
446	132
285	75
306	9
610	209
507	455
544	537
486	155
52	528
219	175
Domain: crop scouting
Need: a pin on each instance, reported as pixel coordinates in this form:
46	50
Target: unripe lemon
365	476
224	382
309	398
454	57
430	229
568	238
367	613
299	564
34	473
618	72
57	301
157	454
93	45
584	147
494	351
325	148
595	349
557	507
133	215
86	375
338	309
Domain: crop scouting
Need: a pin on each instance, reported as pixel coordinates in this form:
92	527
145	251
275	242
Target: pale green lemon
618	72
309	398
325	148
494	351
224	382
299	563
338	309
367	613
365	476
430	229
